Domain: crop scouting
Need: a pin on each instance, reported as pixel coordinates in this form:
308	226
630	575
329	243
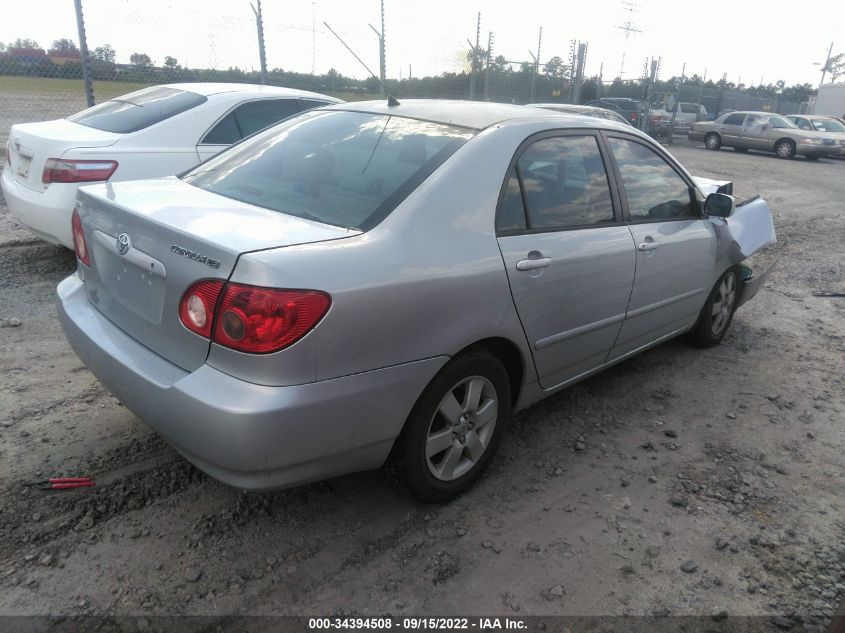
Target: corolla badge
123	244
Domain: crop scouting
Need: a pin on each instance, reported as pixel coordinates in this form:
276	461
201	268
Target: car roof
567	106
469	114
212	88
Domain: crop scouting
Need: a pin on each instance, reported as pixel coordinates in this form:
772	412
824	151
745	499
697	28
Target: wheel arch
784	138
510	356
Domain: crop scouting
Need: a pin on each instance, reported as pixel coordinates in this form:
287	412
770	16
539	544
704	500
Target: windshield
138	110
828	125
779	122
348	169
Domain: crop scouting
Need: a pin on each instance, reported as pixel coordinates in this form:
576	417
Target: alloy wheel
723	304
461	429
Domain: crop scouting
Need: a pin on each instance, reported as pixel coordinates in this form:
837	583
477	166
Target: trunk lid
31	144
176	235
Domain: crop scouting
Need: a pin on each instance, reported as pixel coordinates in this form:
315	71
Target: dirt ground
682	482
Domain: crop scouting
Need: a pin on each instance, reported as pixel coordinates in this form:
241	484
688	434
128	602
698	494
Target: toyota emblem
123	243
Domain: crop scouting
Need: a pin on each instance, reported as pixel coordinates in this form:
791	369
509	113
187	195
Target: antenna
391	100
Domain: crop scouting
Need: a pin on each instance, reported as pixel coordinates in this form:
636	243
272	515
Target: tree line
497	78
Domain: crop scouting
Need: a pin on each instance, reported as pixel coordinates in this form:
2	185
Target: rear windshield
828	125
347	169
138	110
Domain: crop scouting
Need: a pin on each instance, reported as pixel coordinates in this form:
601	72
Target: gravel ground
682	482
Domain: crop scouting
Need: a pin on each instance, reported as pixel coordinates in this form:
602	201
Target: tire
785	149
712	141
812	157
716	315
442	450
741	150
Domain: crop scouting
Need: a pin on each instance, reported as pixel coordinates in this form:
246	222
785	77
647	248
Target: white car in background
157	131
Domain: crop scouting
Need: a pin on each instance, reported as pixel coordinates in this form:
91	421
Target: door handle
648	246
533	264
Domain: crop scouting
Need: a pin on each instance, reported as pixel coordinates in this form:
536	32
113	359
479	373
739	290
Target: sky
750	41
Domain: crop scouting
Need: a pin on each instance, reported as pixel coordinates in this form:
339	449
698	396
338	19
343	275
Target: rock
678	502
811	435
47	560
782	622
730	416
557	591
487	544
670	433
627	570
624	483
12	322
652	479
460	531
192	574
721	543
86	523
580	445
689	566
719	615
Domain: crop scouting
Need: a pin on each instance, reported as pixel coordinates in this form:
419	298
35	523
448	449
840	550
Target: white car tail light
67	171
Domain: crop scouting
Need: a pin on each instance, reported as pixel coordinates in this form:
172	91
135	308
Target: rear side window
734	119
689	108
249	118
654	190
564	183
343	168
138	110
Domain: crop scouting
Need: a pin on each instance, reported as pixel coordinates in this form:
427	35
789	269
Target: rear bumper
45	213
249	436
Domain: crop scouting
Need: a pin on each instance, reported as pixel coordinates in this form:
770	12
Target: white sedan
157	131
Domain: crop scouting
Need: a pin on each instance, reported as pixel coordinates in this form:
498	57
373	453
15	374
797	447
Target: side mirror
719	205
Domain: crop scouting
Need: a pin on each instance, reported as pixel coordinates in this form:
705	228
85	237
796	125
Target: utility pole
536	64
380	35
487	66
313	38
259	25
599	84
474	60
627	27
826	64
83	54
381	58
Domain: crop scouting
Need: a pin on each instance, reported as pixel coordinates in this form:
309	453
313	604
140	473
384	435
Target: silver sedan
368	283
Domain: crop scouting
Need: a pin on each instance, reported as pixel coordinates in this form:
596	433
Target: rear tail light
196	310
633	116
249	318
79	244
66	171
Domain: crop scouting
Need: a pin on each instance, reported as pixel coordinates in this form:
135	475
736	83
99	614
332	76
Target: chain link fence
131	45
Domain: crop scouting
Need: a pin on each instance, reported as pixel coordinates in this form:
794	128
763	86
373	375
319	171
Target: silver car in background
763	131
367	283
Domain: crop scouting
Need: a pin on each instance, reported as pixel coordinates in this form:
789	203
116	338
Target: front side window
734	119
654	190
138	110
343	168
564	183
